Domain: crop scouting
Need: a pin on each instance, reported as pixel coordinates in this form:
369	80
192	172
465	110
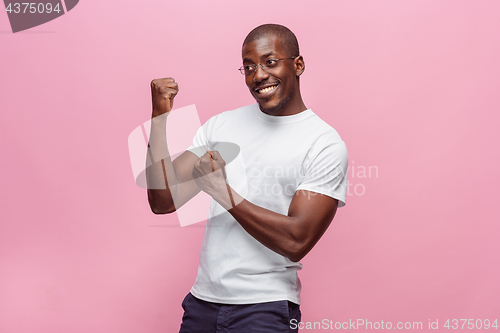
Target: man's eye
271	62
249	68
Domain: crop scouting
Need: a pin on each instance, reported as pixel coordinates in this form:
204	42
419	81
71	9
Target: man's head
273	64
285	35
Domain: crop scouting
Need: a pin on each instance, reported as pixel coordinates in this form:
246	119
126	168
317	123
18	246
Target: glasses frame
242	68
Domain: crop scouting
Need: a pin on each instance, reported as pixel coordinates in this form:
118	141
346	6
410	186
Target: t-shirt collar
282	119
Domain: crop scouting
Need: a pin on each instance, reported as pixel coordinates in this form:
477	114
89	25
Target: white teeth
265	90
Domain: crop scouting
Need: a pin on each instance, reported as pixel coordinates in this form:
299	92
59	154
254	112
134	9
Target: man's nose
260	74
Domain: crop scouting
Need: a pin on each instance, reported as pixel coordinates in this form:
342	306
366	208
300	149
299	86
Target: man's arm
169	183
292	235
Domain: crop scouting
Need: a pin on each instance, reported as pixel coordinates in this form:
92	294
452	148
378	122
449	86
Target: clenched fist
209	174
163	92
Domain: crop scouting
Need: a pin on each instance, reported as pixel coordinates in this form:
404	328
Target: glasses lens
270	63
247	69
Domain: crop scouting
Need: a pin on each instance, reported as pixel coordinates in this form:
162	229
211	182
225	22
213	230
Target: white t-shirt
277	156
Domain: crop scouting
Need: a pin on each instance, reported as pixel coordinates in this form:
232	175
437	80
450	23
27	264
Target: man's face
275	87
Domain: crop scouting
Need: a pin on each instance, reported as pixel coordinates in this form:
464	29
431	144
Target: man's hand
210	175
163	92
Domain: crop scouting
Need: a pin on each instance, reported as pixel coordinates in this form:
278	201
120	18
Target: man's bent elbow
298	251
160	204
297	256
162	210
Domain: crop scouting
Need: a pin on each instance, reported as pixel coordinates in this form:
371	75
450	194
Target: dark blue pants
207	317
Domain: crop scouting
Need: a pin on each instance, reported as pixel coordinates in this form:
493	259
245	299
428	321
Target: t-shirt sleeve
325	169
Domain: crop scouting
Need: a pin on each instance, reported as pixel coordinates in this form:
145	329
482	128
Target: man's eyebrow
264	56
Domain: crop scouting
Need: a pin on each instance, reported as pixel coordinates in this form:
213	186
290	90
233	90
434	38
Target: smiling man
296	175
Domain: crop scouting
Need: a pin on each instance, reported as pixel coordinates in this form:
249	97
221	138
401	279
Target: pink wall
411	86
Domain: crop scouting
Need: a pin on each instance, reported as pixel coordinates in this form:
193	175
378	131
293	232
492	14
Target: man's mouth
266	89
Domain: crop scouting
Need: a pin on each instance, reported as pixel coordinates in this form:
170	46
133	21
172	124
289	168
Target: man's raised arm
169	183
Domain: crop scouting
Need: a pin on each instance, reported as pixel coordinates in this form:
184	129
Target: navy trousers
207	317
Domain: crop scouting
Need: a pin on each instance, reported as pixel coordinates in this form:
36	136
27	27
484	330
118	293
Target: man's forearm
160	175
292	235
282	234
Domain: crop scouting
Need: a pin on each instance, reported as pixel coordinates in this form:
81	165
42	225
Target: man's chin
273	109
270	109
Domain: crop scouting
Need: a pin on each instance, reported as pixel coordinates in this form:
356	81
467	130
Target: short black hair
286	36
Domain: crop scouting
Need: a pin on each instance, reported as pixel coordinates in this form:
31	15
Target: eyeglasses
268	64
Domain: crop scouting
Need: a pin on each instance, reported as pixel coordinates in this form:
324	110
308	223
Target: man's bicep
183	166
187	188
314	212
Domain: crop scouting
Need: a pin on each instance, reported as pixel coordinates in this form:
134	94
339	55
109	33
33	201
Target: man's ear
300	65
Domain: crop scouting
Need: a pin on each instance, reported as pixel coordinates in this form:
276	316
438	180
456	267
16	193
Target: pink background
411	86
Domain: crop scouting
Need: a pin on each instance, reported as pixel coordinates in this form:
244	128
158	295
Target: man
295	172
